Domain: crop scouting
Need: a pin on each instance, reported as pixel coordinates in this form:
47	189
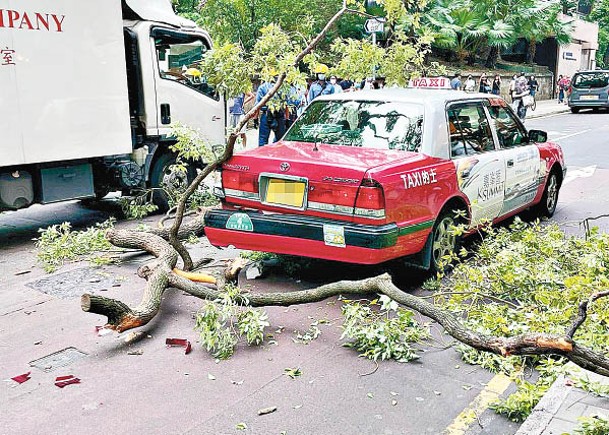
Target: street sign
375	25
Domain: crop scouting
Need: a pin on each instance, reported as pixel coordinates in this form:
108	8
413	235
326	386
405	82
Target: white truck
89	91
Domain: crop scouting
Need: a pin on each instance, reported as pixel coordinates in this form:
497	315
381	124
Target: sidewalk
547	107
559	409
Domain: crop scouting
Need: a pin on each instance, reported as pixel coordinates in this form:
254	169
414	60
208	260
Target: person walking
455	83
533	85
496	87
512	87
521	89
561	89
320	86
272	115
470	84
484	86
236	115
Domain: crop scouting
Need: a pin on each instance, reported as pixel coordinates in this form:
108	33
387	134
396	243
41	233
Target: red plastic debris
22	378
182	342
62	381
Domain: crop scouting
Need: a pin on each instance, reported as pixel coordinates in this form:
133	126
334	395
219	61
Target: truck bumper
314	237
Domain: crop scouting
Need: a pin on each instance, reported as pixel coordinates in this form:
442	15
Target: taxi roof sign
430	83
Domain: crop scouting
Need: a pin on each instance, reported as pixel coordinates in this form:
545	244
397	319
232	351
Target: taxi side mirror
538	136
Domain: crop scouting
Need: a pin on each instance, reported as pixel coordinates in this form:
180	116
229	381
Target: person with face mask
320	86
334	83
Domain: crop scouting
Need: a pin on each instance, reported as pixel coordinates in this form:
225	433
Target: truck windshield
367	124
589	80
178	61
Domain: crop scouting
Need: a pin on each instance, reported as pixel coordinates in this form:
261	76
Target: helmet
193	75
321	68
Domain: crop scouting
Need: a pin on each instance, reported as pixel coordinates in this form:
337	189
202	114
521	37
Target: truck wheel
443	242
549	199
162	180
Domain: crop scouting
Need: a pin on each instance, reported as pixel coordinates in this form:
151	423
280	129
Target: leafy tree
600	14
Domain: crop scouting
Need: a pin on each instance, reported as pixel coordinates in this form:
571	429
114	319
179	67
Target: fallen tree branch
582	312
160	276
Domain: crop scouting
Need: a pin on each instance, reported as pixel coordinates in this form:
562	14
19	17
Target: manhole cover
74	283
62	358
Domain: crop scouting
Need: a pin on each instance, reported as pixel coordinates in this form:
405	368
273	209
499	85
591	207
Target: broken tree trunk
160	276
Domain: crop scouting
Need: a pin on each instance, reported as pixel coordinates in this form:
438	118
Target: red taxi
371	176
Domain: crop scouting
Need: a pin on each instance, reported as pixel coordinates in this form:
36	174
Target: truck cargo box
63	80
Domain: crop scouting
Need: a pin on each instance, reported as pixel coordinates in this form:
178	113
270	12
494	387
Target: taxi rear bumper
313	237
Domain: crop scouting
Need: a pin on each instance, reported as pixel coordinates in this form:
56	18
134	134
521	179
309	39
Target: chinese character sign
6	57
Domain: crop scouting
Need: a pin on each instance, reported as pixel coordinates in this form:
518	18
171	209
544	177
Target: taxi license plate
589	97
285	192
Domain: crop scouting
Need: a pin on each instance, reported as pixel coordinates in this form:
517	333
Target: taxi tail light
239	181
370	201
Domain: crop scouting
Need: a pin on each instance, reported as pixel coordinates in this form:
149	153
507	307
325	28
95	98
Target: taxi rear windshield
366	124
590	80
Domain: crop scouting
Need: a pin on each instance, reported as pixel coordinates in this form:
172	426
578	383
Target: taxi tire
574	109
442	241
549	199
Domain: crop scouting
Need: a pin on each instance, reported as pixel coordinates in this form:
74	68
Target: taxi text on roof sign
430	83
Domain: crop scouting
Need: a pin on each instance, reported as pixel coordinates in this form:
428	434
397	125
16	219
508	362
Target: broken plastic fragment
171	342
62	381
22	378
102	330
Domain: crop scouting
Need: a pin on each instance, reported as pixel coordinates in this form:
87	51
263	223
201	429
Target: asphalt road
164	391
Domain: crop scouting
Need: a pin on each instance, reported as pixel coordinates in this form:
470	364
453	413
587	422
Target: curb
551	112
546	409
552	416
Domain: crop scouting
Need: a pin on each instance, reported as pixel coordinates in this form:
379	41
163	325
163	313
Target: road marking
495	388
585	172
572	134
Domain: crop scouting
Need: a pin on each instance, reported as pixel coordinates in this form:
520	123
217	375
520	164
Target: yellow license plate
285	192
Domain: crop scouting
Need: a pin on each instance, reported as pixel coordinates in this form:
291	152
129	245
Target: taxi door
480	167
522	160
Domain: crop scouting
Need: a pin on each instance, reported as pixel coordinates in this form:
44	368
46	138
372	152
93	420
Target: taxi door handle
510	163
216	118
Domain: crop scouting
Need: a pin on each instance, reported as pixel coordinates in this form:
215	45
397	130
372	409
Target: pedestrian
512	87
561	89
236	115
455	83
496	88
484	86
295	101
272	114
346	85
334	82
533	85
521	89
320	86
470	84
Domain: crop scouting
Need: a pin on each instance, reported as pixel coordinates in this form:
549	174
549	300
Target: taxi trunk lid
304	178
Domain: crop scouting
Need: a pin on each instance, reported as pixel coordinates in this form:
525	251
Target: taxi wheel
444	241
547	205
574	109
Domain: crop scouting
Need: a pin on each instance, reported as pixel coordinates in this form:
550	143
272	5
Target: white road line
585	172
572	134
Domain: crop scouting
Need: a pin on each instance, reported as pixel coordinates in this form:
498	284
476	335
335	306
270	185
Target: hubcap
552	193
444	239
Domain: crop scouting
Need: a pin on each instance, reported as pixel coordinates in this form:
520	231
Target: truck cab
92	95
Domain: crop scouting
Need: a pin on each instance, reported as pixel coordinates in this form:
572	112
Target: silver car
589	89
